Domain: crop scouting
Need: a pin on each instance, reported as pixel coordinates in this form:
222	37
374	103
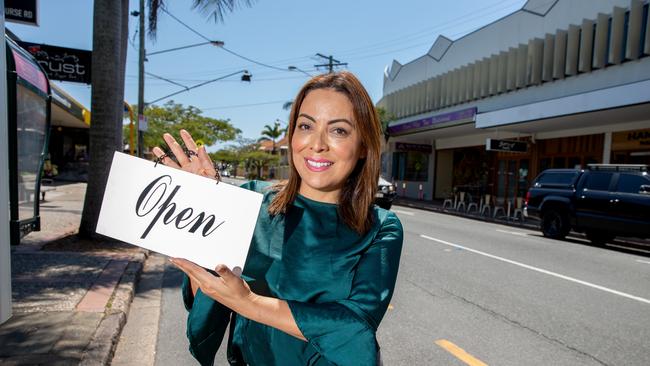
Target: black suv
603	201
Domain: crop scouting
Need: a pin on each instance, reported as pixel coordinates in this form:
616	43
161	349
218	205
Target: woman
323	260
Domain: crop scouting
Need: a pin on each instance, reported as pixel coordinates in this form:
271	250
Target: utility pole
141	82
331	62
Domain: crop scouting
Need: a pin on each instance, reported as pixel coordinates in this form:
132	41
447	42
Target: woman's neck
320	196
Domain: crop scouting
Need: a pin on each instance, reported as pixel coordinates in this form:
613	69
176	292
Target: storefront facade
557	84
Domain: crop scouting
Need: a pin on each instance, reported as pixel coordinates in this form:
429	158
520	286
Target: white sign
143	123
177	213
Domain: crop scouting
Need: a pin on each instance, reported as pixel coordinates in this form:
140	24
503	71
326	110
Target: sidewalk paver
70	297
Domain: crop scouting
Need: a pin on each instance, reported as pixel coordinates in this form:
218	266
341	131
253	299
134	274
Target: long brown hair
358	193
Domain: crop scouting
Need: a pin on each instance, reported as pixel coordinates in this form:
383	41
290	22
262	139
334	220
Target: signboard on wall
22	11
404	146
60	63
506	145
631	140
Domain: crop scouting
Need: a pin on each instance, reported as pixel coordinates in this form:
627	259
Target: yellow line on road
459	353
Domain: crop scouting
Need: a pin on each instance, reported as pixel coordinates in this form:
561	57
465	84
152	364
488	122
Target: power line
222	46
243	105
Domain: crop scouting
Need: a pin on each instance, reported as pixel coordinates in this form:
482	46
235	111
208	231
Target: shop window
410	166
598	181
631	183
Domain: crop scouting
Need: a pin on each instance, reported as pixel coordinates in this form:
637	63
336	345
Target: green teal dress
337	283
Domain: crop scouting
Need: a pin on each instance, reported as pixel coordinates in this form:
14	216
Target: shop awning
66	111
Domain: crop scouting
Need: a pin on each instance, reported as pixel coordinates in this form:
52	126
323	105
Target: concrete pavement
70	297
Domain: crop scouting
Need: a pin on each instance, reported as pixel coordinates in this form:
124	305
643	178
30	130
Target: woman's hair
358	192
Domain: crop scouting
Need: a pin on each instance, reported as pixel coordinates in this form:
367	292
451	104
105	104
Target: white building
568	79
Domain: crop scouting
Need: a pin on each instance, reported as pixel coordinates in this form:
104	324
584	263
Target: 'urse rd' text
155	192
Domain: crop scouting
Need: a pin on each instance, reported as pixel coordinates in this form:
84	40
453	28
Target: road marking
404	212
518	233
460	353
640	261
540	270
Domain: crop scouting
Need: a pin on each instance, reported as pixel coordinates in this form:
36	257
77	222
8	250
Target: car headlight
384	189
391	188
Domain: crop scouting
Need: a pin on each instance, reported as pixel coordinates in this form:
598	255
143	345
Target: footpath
70	297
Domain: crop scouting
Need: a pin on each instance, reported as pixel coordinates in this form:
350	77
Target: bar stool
519	209
486	205
461	202
498	207
477	206
450	200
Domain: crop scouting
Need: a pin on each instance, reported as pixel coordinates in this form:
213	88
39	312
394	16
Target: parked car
385	194
603	201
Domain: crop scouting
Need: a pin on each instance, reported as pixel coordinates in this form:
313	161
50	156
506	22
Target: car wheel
555	224
598	237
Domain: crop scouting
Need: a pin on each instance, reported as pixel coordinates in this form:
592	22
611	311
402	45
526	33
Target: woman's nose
319	141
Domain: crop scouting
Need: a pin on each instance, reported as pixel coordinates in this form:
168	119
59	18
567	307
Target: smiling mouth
318	165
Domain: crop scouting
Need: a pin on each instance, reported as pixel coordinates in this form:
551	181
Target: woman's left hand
228	289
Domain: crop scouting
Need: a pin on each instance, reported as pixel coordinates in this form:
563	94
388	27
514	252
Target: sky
367	35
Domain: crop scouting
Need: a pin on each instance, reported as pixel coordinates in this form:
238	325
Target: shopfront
631	147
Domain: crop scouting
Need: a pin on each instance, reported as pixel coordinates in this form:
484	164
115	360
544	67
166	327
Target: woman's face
326	144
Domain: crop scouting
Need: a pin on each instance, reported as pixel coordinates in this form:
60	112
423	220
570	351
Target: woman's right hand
198	163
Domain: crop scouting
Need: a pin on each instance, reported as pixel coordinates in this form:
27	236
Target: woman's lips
318	165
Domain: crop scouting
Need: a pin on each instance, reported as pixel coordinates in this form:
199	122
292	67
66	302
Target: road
476	293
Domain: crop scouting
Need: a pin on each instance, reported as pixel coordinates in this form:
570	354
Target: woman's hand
228	289
233	292
198	162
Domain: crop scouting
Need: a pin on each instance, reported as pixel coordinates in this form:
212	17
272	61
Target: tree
173	117
385	118
259	160
272	133
110	37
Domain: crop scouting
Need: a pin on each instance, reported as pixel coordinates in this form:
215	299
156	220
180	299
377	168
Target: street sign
143	123
506	145
22	11
61	63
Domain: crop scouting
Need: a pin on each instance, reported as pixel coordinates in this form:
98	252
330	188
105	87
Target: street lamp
294	68
214	43
246	76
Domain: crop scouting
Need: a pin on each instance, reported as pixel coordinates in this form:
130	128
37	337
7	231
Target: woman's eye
340	131
303	126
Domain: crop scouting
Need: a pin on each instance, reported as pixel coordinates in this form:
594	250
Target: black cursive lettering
150	199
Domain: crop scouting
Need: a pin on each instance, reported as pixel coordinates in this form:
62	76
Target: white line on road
404	212
518	233
540	270
640	261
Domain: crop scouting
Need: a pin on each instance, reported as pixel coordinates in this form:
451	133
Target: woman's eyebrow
330	122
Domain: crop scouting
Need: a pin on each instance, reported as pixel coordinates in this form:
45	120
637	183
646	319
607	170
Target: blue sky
366	34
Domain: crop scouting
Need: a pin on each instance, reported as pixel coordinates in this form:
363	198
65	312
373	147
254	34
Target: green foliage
272	133
385	118
173	117
259	160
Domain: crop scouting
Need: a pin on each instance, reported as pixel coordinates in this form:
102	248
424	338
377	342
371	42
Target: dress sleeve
206	323
343	331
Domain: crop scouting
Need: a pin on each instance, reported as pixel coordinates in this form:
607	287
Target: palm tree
110	37
272	133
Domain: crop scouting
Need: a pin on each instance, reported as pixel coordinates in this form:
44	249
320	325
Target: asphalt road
476	293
